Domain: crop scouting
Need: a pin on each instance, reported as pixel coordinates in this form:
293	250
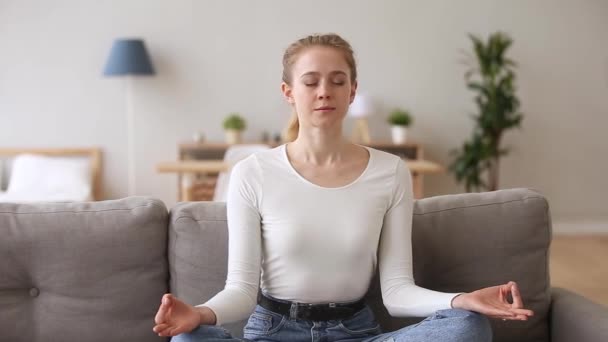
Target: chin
328	124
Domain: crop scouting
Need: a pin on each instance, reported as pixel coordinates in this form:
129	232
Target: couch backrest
92	271
461	242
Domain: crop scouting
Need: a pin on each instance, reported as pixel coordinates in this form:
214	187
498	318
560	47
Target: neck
318	147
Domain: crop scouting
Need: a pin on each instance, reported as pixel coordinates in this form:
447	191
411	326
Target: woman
314	218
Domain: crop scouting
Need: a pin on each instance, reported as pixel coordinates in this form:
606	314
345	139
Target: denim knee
471	324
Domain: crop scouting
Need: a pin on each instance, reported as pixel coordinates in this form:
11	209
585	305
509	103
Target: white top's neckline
292	169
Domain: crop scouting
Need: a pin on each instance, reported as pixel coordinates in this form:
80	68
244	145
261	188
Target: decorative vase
399	134
233	136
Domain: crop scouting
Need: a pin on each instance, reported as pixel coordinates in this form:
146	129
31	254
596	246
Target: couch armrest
576	318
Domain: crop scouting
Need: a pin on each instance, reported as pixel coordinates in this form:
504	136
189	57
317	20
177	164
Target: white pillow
52	178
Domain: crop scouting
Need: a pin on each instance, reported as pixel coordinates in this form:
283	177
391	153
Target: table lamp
361	108
128	57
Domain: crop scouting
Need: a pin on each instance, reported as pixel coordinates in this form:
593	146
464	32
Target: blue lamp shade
128	57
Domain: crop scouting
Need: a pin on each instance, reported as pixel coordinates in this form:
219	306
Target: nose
323	91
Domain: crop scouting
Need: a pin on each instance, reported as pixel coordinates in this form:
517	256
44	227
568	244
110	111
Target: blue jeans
453	325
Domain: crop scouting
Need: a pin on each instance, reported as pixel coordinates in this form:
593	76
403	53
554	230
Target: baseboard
580	227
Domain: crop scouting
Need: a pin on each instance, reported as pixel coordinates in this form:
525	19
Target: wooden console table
200	163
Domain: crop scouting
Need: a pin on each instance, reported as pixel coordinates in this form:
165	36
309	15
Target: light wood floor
580	264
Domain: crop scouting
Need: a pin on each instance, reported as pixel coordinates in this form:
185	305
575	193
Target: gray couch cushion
198	253
82	271
460	243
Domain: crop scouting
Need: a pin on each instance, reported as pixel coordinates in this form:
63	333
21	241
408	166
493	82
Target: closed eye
339	83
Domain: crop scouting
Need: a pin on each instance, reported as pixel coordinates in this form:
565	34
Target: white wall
214	57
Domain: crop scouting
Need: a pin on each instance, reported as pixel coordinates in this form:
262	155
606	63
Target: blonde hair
291	55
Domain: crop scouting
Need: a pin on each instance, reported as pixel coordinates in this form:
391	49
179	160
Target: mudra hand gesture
493	302
175	317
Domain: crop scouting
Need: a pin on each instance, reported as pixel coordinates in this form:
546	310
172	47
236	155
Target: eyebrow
314	73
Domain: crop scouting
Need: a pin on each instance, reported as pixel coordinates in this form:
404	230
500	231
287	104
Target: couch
95	271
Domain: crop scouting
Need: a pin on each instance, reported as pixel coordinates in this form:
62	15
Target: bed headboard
93	154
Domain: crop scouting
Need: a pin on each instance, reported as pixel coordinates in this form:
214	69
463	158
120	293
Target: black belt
311	312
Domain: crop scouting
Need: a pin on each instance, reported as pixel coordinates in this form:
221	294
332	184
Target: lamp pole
130	137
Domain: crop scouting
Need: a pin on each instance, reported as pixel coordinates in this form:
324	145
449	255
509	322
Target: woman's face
321	88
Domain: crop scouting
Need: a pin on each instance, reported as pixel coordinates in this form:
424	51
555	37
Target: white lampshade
361	107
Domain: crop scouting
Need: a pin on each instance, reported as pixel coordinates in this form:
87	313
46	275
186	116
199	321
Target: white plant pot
399	134
233	136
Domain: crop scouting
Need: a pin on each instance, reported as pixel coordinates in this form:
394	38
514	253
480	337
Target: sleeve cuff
452	300
210	307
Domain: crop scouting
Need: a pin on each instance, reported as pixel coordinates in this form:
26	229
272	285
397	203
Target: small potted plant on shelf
234	125
399	120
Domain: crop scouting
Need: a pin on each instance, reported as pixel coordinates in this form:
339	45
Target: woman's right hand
175	317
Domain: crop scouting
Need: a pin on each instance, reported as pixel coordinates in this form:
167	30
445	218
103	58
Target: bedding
48	178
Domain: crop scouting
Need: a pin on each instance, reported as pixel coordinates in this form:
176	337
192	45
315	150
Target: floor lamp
129	58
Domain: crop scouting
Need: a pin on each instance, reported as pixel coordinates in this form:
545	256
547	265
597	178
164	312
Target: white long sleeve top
303	242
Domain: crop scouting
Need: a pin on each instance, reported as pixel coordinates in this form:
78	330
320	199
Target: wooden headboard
93	154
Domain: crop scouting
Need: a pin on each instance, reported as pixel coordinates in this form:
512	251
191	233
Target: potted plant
234	124
492	78
399	120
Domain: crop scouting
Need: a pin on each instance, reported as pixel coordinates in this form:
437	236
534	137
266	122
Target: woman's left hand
492	302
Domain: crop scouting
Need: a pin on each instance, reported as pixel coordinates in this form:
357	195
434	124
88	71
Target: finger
497	311
513	311
161	314
160	327
497	316
505	290
504	319
166	332
502	297
524	312
517	318
171	331
168	297
512	317
517	301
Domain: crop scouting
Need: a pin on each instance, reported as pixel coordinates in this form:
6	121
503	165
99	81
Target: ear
353	92
287	93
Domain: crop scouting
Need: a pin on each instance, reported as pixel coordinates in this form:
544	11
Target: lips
325	108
